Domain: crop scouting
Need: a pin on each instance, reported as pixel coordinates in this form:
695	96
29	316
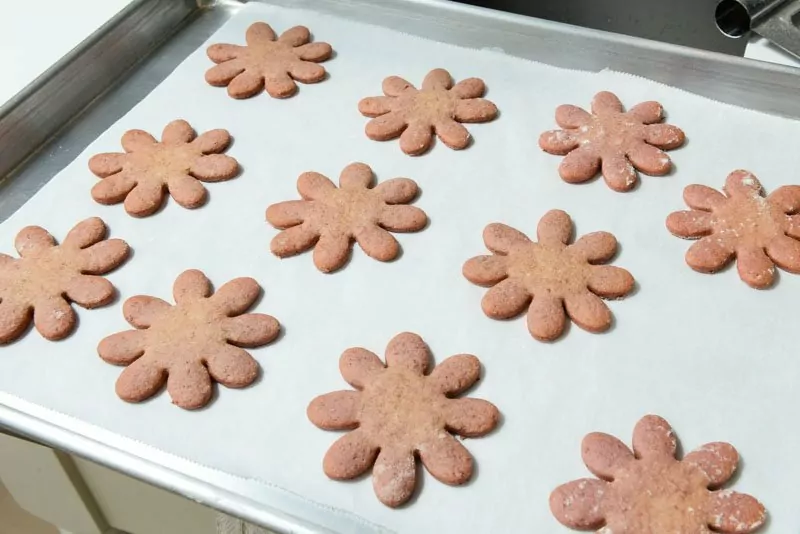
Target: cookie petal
402	218
580	165
358	366
470	417
558	142
385	127
485	271
103	165
232	367
579	504
259	33
249	83
709	255
104	256
793	226
701	197
456	374
416	138
377	242
338	410
213	141
221	52
741	182
408	350
717	460
14	320
350	456
190	286
222	74
786	198
331	251
113	189
318	51
588	311
186	191
618	173
469	88
596	247
134	140
605	455
54	318
610	282
394	476
33	239
735	513
690	224
554	227
140	381
288	213
785	252
306	72
501	239
90	291
214	168
505	300
122	348
653	438
664	136
437	79
397	190
295	36
143	311
396	86
649	159
85	233
293	241
356	176
647	112
177	132
606	103
251	330
446	459
313	185
237	296
188	384
755	268
145	199
375	106
474	110
452	134
572	117
546	318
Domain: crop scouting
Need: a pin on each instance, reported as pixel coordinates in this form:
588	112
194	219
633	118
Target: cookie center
46	274
271	59
614	132
184	330
548	270
748	220
400	408
659	496
159	162
433	104
348	208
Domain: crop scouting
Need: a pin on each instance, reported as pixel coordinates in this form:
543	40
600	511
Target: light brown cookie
759	232
178	164
563	280
268	60
47	277
621	141
330	218
649	491
188	344
414	114
398	412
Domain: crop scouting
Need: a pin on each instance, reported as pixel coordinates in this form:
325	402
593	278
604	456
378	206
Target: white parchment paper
713	356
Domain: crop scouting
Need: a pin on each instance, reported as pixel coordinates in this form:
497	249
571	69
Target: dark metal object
775	20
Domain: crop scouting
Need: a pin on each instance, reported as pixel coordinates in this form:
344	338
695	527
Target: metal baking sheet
753	85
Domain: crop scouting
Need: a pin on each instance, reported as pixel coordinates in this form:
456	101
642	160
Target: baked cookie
561	279
414	114
330	218
399	412
649	491
177	164
190	343
267	61
741	223
47	277
621	141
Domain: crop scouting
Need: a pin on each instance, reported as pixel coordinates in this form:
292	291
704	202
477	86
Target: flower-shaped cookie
414	114
400	412
649	491
188	344
759	232
267	60
557	276
178	163
47	277
622	141
329	218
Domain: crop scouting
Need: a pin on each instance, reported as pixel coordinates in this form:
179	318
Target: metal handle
776	20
